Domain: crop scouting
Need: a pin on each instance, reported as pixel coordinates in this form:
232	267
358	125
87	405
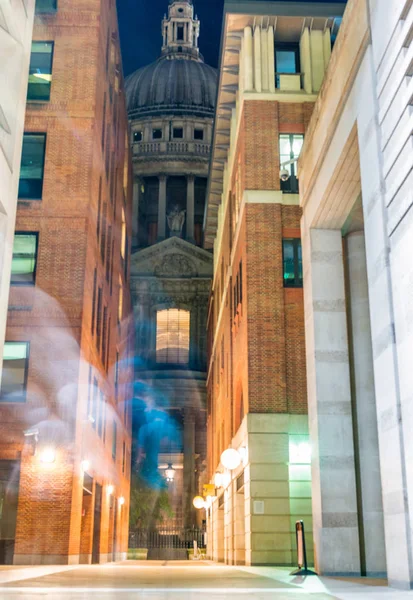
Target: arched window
172	336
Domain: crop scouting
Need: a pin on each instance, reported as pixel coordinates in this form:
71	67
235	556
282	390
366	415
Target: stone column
335	519
189	466
364	410
162	207
257	59
271	59
135	211
190	208
248	65
264	59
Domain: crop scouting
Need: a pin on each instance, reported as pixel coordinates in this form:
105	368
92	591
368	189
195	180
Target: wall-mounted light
170	473
121	501
300	453
198	502
231	459
48	455
219	480
85	464
110	489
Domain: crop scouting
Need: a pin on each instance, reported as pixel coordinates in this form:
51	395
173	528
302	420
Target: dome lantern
180	30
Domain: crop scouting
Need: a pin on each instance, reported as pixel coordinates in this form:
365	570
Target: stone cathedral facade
171	107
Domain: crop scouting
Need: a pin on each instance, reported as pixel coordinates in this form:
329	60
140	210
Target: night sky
140	30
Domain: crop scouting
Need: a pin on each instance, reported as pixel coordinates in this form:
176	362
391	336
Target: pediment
172	258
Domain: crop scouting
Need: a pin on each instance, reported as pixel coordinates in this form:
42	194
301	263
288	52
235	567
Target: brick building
273	59
65	419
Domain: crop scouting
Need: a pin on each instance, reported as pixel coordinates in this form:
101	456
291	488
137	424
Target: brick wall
55	316
265	341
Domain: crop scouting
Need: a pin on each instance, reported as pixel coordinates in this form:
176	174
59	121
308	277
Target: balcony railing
169	148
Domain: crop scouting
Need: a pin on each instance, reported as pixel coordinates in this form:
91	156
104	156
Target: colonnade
162	207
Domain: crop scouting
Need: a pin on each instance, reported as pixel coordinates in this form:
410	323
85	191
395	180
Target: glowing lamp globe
121	501
198	502
48	455
231	459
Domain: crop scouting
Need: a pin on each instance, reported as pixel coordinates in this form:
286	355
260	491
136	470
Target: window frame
50	10
169	348
199	130
177	137
291	186
298	281
155	138
27	283
29	198
288	47
22	399
135	133
38	100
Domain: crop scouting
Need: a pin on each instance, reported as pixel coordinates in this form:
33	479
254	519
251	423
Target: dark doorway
96	524
9	492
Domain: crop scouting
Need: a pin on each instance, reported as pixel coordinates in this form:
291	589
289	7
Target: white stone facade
16	26
360	378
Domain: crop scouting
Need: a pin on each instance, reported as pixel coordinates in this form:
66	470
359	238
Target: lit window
14	375
23	267
32	166
123	233
290	148
137	136
293	263
178	133
198	134
40	72
120	305
172	336
157	134
46	6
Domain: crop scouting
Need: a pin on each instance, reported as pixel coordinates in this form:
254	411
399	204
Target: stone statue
176	219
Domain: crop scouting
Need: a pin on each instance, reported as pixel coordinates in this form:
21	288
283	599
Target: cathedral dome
173	85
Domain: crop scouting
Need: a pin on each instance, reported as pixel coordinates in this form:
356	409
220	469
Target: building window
156	134
23	267
198	134
290	148
15	369
40	71
123	236
178	133
46	6
120	305
180	33
137	136
293	263
114	440
287	60
32	166
172	336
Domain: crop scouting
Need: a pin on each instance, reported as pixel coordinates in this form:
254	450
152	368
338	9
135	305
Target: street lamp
48	455
170	473
231	459
198	502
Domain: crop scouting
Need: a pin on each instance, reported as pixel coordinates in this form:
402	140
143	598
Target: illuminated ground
183	581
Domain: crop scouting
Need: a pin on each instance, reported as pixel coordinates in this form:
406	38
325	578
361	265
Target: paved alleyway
183	581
